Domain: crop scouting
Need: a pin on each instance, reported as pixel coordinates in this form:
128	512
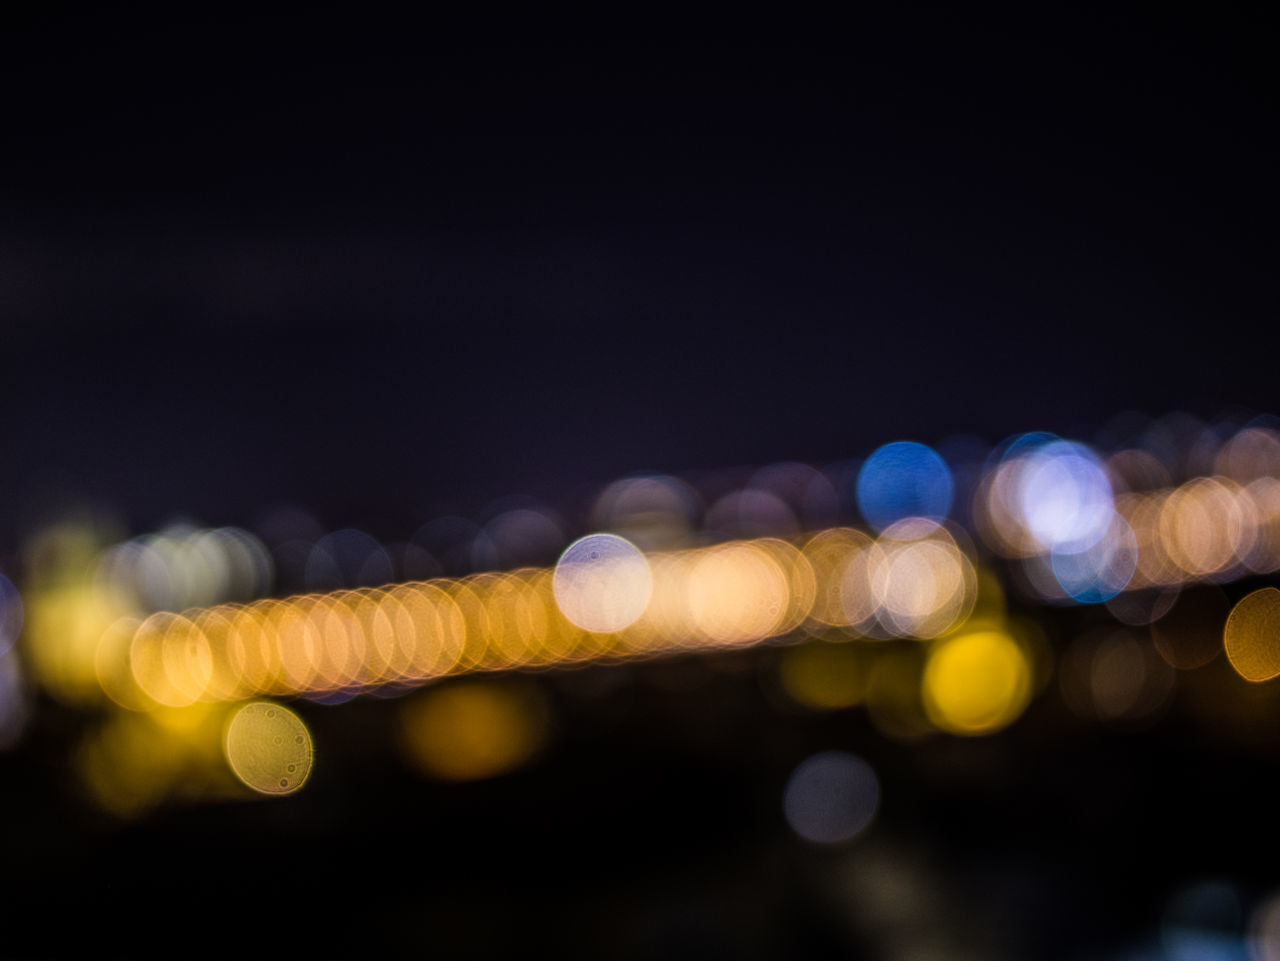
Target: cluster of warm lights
168	623
604	599
975	681
1208	528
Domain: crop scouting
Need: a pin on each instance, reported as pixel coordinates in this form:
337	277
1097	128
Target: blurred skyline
277	293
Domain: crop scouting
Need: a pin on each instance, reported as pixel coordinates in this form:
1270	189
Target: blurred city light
482	497
831	797
602	583
474	729
976	683
269	748
15	701
911	623
1204	922
1252	635
904	479
824	675
1264	929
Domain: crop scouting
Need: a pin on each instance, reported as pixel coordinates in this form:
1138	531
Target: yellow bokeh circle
976	683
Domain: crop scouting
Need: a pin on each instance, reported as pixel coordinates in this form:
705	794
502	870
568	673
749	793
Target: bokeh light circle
904	479
602	583
1252	635
474	729
268	747
976	683
831	797
1065	496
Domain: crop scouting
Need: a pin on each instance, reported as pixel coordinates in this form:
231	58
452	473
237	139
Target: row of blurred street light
176	628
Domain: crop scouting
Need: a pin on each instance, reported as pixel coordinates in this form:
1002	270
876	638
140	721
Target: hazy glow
347	558
805	490
654	512
524	536
824	676
1126	680
15	704
269	748
1103	569
1144	606
1035	573
1114	677
1264	929
1252	635
602	583
976	683
1034	643
64	625
470	730
1252	453
11	614
1136	470
182	567
904	479
831	797
1203	922
1190	635
894	701
130	762
751	513
456	543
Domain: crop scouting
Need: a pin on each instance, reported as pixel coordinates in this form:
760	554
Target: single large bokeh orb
1252	635
269	748
976	683
602	583
1066	499
904	479
831	797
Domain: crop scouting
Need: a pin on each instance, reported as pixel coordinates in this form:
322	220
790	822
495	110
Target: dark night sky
382	271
